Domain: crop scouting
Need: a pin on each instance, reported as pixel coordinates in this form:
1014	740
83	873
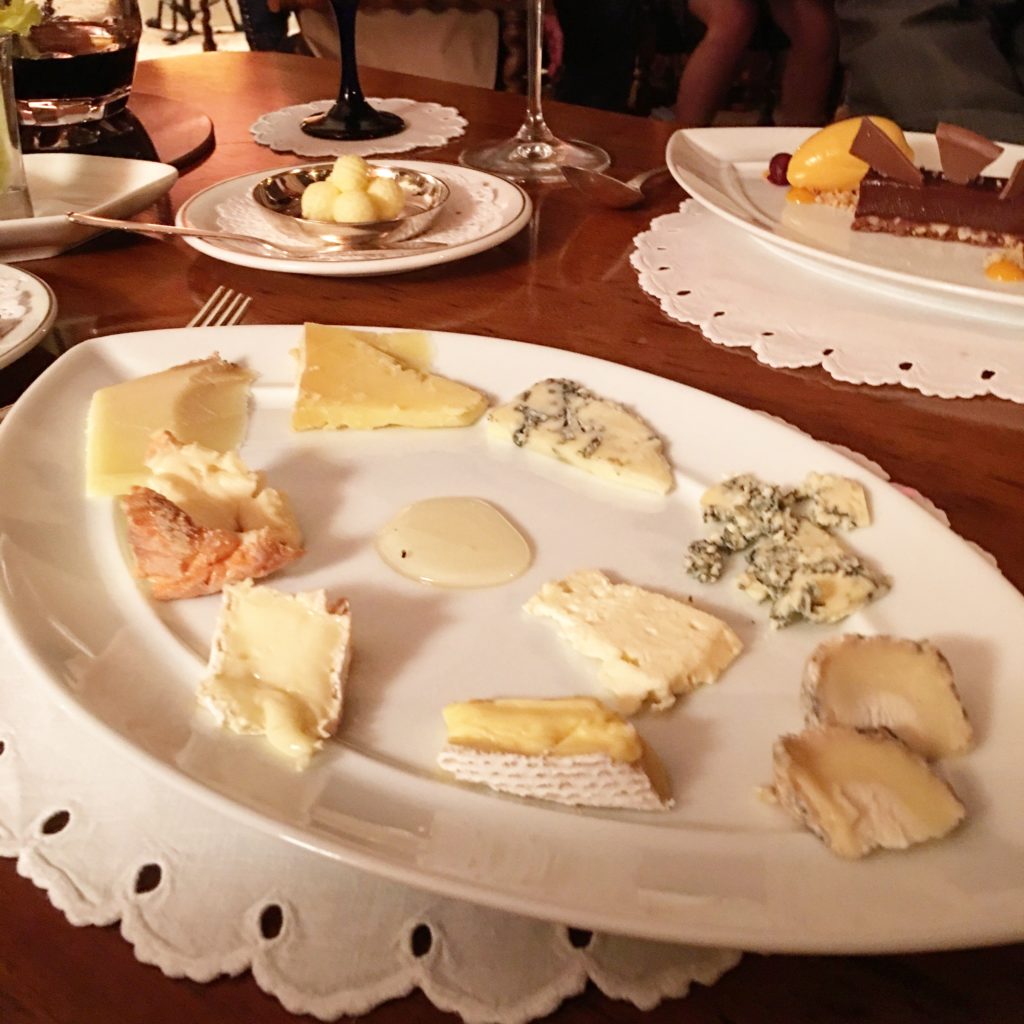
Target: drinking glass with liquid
76	66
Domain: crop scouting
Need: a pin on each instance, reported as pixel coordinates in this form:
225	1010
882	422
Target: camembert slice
564	420
277	667
344	381
859	790
205	401
650	647
571	751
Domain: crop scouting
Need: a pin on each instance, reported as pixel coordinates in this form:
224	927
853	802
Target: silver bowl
279	197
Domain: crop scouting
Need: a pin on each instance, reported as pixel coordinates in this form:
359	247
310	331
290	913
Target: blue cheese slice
650	647
563	419
806	574
277	667
836	501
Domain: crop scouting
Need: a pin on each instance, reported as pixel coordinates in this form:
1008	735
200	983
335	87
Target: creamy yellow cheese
823	163
346	382
650	647
204	401
277	667
217	490
564	727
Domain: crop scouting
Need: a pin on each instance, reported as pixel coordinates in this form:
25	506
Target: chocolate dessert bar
942	209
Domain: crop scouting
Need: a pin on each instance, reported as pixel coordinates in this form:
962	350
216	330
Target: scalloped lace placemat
428	125
705	271
109	842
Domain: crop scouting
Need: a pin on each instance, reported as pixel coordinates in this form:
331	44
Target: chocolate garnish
964	154
1014	186
881	154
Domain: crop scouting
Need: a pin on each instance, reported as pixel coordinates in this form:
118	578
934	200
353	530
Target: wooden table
565	281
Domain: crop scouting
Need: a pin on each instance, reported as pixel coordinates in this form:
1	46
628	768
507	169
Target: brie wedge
277	667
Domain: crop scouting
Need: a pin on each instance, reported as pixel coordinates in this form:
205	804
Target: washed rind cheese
906	686
860	790
204	401
566	421
345	381
572	751
204	520
650	647
277	667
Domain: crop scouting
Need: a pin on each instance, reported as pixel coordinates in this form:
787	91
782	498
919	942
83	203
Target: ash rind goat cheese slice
563	419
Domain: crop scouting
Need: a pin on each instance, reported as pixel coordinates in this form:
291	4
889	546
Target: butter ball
350	173
387	196
318	200
353	208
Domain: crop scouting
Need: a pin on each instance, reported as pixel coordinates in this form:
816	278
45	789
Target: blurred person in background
924	61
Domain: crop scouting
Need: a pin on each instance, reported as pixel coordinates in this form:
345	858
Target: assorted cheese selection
198	520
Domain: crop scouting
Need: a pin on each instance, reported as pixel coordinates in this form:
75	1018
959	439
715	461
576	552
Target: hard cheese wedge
565	420
204	401
344	381
277	667
570	750
651	647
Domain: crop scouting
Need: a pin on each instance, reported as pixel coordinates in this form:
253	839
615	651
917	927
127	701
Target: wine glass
534	154
351	117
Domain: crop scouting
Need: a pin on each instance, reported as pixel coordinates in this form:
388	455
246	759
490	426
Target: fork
224	308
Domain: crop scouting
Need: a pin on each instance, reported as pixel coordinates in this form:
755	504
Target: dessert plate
482	211
723	867
27	311
59	182
724	170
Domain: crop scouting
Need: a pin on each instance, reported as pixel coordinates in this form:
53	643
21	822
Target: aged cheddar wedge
862	789
344	381
277	667
903	685
205	519
204	401
564	420
650	647
570	750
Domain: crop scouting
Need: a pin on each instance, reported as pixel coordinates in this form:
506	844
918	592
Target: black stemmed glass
351	117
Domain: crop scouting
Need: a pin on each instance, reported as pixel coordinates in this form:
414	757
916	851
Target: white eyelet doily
705	271
472	211
426	125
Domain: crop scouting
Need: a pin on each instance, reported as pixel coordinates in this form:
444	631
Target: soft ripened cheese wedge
570	750
205	519
862	789
883	681
204	401
650	647
344	381
277	667
562	419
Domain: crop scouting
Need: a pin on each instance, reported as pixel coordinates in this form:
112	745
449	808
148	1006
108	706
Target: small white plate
724	168
27	311
722	867
61	182
483	211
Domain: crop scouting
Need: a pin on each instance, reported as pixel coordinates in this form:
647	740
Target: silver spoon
608	191
339	250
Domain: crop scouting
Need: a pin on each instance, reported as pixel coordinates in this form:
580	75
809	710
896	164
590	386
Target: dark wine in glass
351	117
